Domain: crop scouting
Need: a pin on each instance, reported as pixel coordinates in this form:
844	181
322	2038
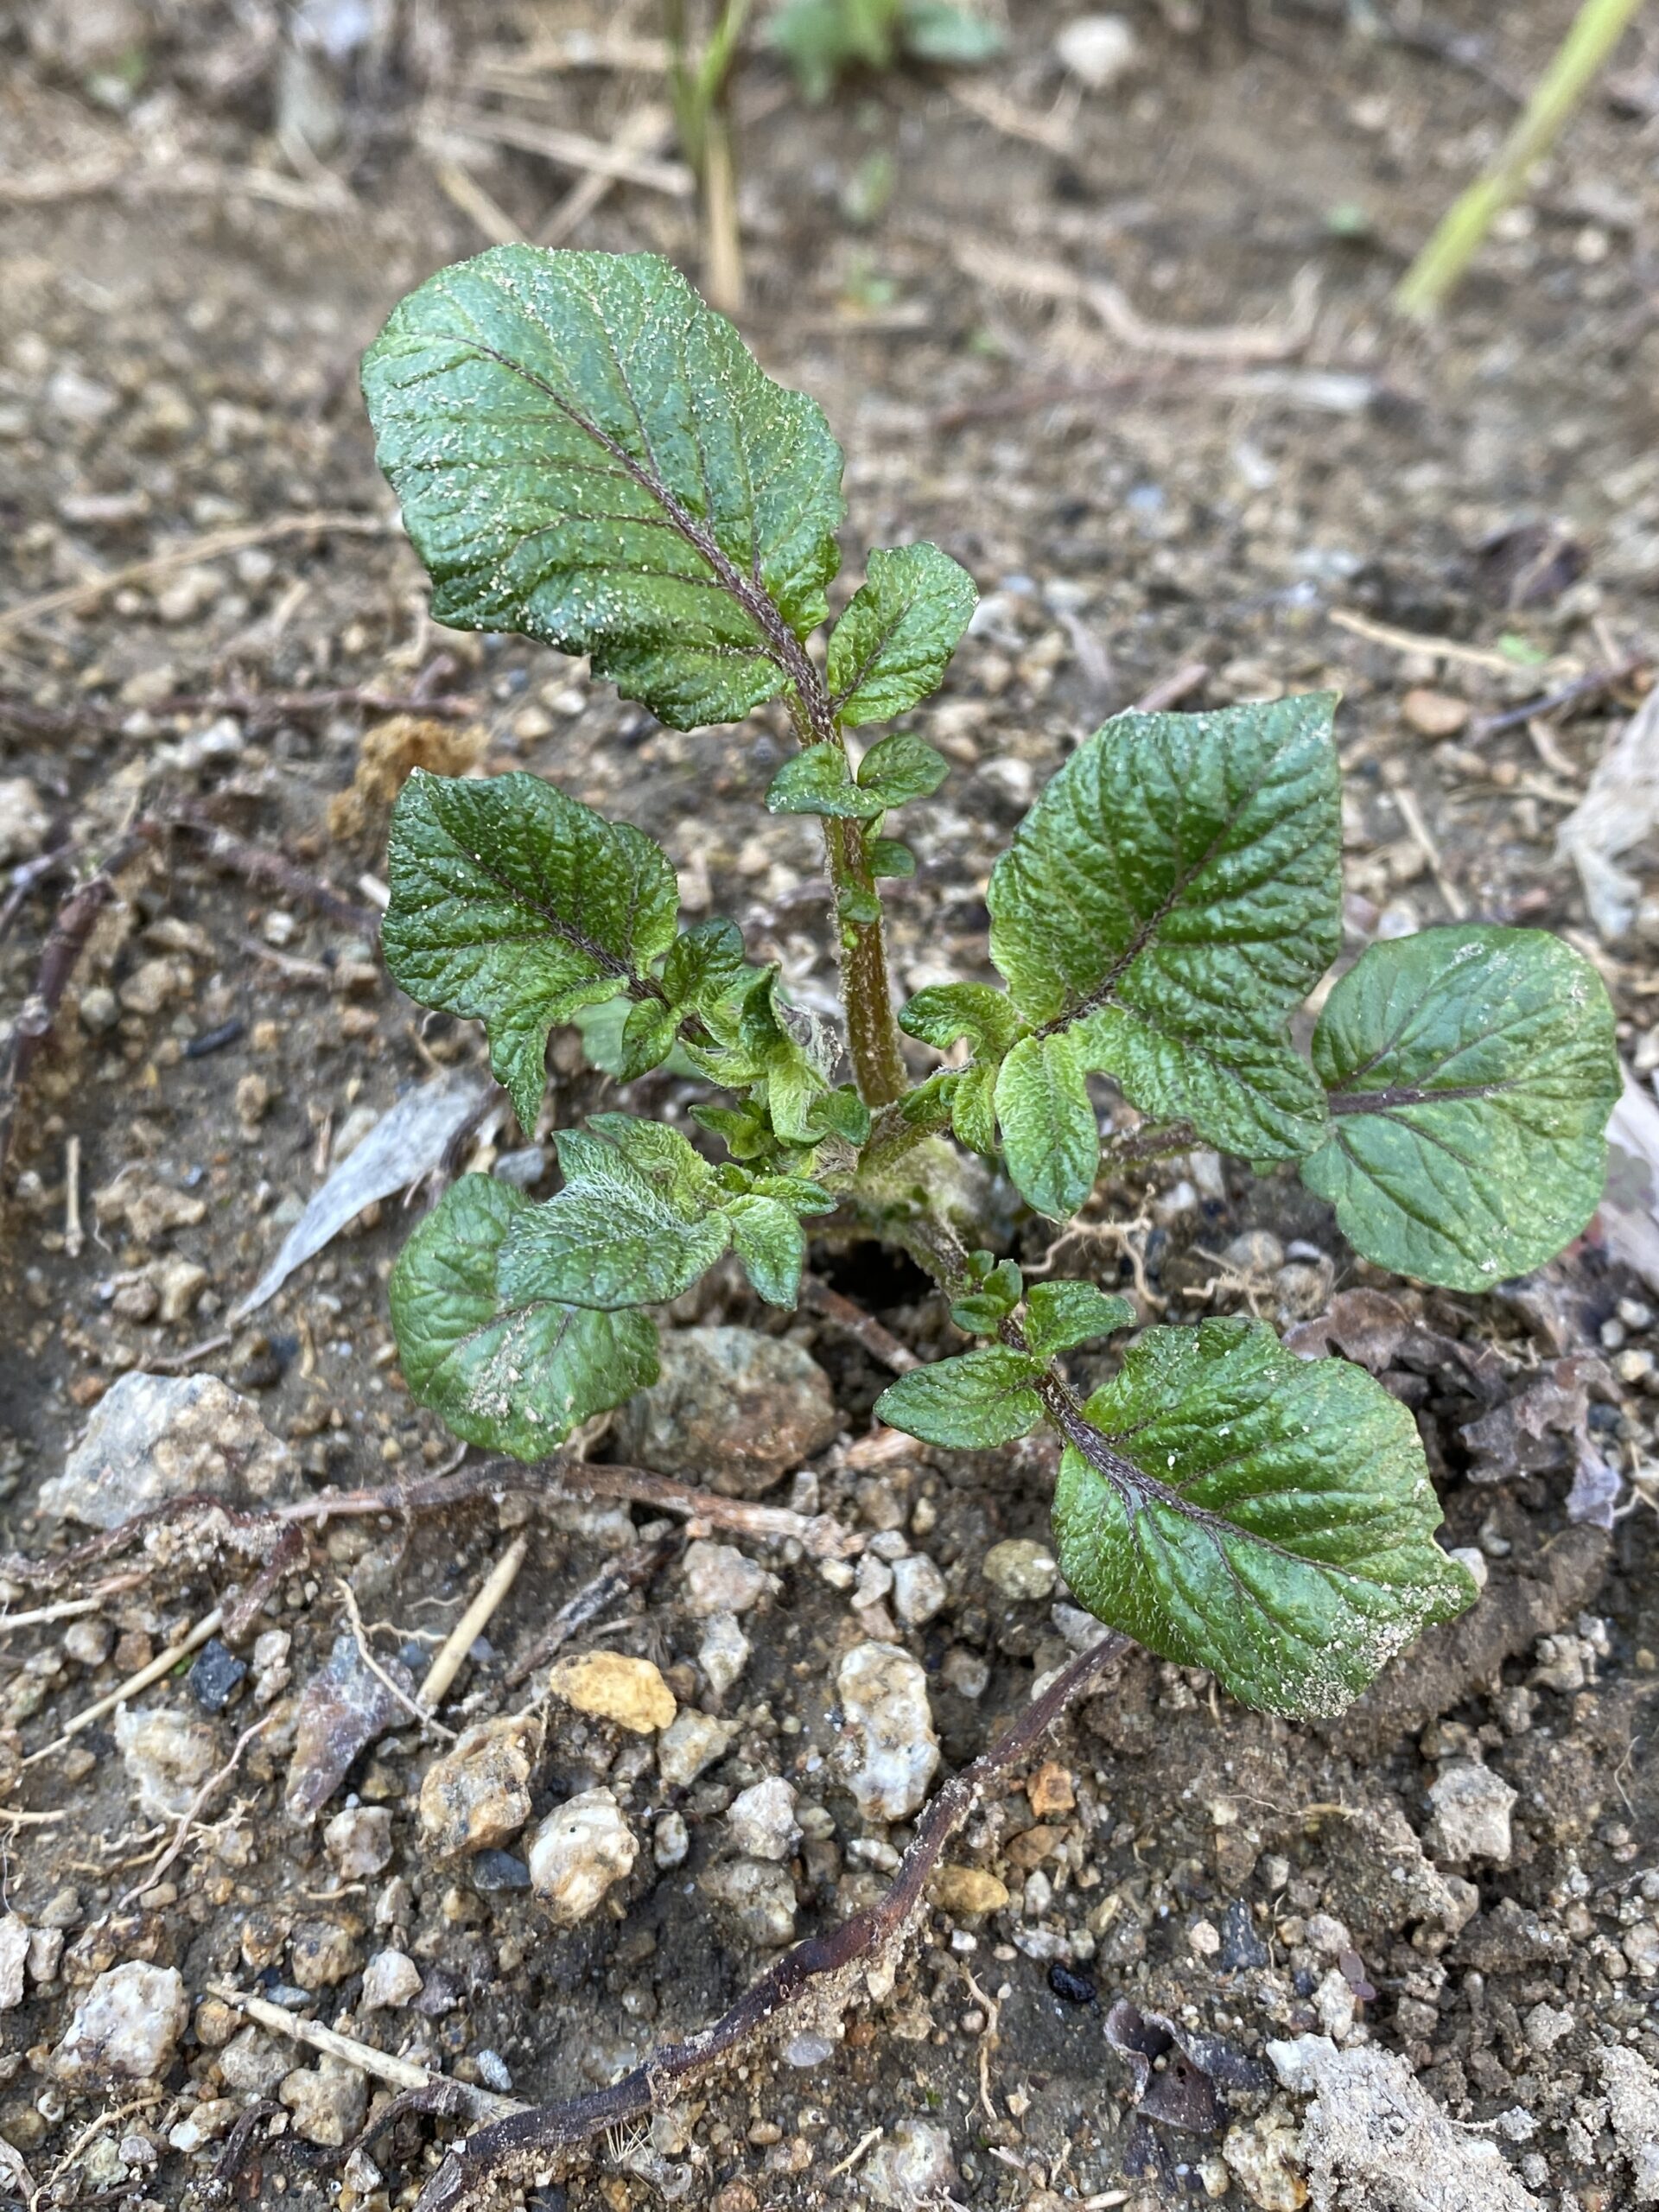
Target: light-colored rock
760	1897
1545	2026
720	1579
613	1686
1097	49
13	1956
125	2028
359	1841
24	820
328	2101
1471	1814
912	2166
255	2063
883	1694
918	1591
476	1796
168	1757
670	1842
1264	2157
1631	2087
390	1978
1021	1569
577	1853
724	1652
967	1891
321	1954
695	1741
761	1820
206	2122
153	1437
732	1409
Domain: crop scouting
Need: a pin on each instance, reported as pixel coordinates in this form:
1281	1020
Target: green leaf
637	1221
1050	1134
1172	895
934	30
648	1037
889	856
1232	1507
818	781
817	40
1059	1315
998	1284
973	1108
772	1245
707	966
585	453
890	648
979	1012
902	767
1473	1071
517	906
509	1374
979	1400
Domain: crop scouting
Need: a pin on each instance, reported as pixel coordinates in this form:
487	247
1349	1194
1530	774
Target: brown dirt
178	357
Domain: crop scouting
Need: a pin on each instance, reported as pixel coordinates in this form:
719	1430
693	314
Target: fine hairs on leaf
588	455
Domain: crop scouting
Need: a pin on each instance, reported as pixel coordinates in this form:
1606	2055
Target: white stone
724	1652
167	1757
153	1437
918	1590
125	2028
720	1579
328	2101
1020	1569
761	1821
1471	1814
760	1897
578	1852
13	1954
670	1842
912	2166
1545	2026
695	1741
883	1694
390	1978
359	1840
24	819
1097	49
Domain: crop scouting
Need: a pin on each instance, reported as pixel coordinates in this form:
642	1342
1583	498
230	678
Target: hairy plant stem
872	1029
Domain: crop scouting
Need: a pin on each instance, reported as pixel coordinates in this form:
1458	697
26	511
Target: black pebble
1075	1989
493	1871
214	1676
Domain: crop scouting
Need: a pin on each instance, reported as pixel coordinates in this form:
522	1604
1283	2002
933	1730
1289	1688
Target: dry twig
381	2066
630	1570
472	1624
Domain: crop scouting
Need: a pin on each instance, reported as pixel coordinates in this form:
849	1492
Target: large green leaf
1050	1134
510	1375
980	1399
1471	1073
890	648
1230	1506
517	906
585	453
1170	899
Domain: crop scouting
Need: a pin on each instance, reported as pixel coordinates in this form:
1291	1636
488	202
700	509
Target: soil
188	291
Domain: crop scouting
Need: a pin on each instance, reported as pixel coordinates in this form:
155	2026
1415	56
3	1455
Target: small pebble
125	2028
215	1675
761	1820
1022	1570
576	1854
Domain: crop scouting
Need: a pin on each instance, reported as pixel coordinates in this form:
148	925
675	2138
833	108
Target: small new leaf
985	1016
512	1375
1061	1315
637	1222
1050	1134
890	648
817	781
1472	1071
902	767
585	453
1230	1506
772	1245
982	1399
517	906
1198	858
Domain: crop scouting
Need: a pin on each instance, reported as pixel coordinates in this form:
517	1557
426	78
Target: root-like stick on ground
209	1625
832	1969
880	1343
401	2073
473	1623
630	1570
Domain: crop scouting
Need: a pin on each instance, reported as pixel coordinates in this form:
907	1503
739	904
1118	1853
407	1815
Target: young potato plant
821	40
585	453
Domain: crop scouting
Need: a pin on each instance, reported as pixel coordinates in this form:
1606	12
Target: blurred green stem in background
702	118
1432	276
